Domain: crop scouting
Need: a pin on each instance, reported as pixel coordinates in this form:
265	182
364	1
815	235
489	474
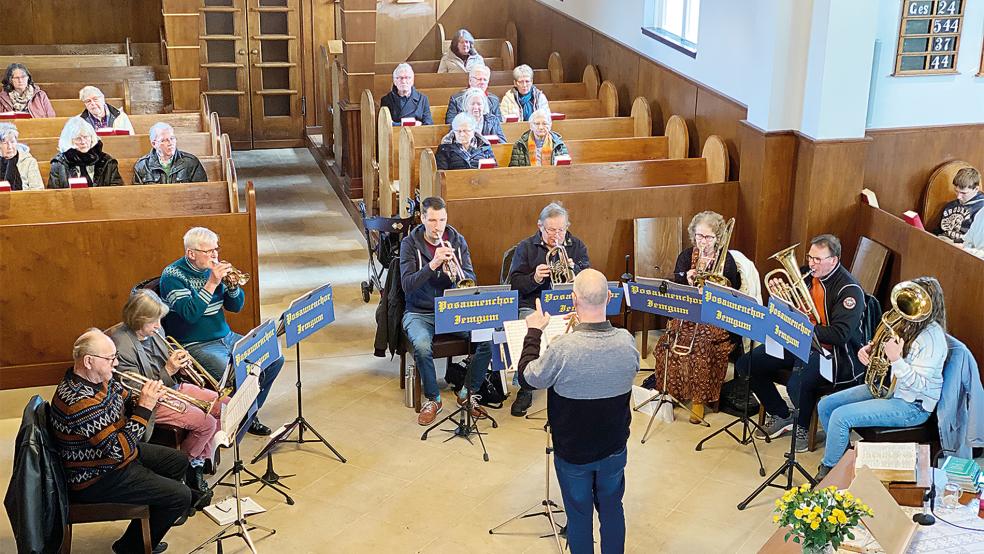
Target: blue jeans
855	407
420	331
584	487
214	355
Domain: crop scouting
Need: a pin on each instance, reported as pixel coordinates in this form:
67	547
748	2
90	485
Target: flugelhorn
241	277
791	290
171	398
910	303
559	263
454	270
192	368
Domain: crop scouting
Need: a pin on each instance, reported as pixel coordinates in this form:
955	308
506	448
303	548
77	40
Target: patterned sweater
196	315
92	433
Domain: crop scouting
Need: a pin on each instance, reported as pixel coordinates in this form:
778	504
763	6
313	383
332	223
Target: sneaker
477	411
774	427
822	472
802	440
524	399
428	412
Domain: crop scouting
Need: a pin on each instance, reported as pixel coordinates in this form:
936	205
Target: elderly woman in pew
461	56
166	164
18	168
538	144
21	95
101	115
463	147
80	155
476	104
524	98
405	100
478	77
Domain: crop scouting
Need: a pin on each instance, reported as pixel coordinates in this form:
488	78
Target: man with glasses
478	77
406	101
165	163
840	302
194	290
99	444
530	274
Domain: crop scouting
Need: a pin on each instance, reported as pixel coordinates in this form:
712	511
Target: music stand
232	419
546	507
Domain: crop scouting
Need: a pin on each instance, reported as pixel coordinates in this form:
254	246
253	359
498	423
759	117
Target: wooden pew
604	106
431	66
139	53
52	126
212	164
107	240
70	89
482	45
133	146
102	74
66	60
68	107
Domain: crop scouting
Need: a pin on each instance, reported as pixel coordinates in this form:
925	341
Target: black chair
927	433
444	346
506	264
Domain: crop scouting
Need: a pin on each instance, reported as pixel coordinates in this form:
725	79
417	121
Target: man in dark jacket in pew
478	77
166	164
405	101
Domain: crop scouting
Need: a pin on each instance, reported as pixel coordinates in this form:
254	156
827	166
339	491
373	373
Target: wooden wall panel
484	19
401	27
669	94
619	65
900	161
536	25
574	43
320	26
80	21
719	115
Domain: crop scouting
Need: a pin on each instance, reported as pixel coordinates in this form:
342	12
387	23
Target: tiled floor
397	493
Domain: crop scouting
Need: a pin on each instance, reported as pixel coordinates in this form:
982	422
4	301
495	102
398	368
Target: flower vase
822	549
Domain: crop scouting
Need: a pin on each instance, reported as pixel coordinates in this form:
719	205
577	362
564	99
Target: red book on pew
557	116
912	218
78	183
486	163
408	122
15	115
4	186
512	118
562	159
493	139
109	132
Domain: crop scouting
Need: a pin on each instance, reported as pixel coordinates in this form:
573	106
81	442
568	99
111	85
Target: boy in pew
959	214
463	147
166	164
405	101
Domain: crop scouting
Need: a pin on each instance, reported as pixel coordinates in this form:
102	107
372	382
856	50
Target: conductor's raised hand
538	319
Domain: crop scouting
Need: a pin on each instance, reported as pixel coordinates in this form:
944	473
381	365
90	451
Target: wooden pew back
139	53
134	146
212	164
70	89
431	66
68	107
99	74
572	109
52	126
66	60
383	82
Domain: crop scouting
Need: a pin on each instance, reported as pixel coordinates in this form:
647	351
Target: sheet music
237	408
516	334
900	456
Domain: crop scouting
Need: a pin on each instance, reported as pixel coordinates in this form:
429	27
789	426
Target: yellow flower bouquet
819	517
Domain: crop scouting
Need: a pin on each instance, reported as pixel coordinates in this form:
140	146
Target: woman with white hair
461	56
463	147
101	115
80	155
476	104
524	98
539	145
17	166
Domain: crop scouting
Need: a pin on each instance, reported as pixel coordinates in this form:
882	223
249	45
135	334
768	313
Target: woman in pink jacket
20	94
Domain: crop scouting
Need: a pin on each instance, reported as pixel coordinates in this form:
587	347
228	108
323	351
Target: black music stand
664	397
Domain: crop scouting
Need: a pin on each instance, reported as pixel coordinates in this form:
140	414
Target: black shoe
257	428
161	547
822	472
524	399
649	382
196	479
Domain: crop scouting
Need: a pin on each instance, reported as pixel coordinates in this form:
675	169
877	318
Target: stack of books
963	472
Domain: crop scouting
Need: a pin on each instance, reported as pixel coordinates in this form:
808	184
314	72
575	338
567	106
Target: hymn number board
929	36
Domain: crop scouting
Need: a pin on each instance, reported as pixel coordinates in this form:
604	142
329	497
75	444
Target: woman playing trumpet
141	348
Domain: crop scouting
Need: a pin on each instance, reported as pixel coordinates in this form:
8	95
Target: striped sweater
196	315
93	435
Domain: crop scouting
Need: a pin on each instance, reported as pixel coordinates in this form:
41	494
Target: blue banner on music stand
485	310
790	328
308	314
734	312
615	302
664	298
260	347
561	301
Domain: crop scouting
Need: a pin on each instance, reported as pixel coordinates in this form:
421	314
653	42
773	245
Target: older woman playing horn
539	144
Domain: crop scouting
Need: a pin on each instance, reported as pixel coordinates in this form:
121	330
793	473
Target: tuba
560	265
910	303
171	398
791	290
454	270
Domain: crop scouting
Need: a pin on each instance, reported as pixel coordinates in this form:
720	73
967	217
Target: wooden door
274	73
224	72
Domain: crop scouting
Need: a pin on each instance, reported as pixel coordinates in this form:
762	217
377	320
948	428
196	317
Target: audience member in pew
17	166
974	239
198	288
463	147
425	254
917	356
81	156
101	115
141	349
478	78
461	55
405	100
100	449
960	213
165	163
21	95
476	104
524	98
697	376
530	275
539	143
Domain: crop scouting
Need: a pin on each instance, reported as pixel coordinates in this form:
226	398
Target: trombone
192	369
173	399
454	270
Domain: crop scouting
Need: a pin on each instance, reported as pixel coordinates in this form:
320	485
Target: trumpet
571	323
192	369
454	270
173	399
240	277
560	264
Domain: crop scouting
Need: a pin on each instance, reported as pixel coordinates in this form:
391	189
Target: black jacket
106	170
844	302
421	285
956	218
531	252
37	497
389	313
416	106
185	168
450	154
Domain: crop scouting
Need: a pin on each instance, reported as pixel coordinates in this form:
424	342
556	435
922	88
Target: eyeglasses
816	260
210	251
112	358
699	236
550	231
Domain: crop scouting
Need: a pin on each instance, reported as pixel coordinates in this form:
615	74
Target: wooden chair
869	264
99	513
939	191
444	346
507	259
656	243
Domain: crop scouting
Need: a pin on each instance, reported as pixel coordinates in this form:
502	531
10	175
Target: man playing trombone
839	302
531	273
198	288
435	257
141	348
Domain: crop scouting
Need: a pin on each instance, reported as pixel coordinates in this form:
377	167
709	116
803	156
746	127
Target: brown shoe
428	412
477	411
696	408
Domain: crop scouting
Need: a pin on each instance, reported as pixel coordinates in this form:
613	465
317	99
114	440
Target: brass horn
910	303
561	270
713	274
791	290
241	277
192	369
173	399
454	270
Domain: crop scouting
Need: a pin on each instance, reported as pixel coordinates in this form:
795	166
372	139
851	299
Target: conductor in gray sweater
588	374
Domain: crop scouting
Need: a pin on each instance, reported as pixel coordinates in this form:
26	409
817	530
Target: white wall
948	99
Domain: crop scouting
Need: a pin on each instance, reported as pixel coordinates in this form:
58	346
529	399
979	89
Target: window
674	23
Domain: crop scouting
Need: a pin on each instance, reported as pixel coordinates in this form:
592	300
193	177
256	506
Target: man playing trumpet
198	288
